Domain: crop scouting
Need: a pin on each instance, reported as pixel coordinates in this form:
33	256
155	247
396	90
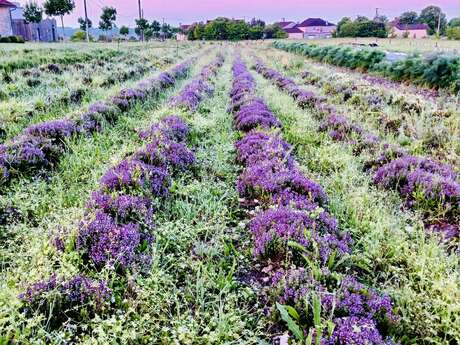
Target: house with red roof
6	28
284	24
408	30
294	33
316	28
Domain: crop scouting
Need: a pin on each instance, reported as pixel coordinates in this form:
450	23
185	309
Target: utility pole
86	22
140	18
377	12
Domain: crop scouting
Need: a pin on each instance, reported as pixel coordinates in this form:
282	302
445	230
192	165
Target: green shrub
453	33
435	71
5	40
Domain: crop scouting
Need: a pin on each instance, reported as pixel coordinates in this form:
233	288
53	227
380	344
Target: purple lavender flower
102	242
61	301
258	146
136	175
354	331
273	228
265	179
255	114
124	209
57	130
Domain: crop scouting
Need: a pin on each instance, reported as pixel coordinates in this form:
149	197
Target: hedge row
439	71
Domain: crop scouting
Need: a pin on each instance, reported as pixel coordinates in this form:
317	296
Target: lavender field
227	193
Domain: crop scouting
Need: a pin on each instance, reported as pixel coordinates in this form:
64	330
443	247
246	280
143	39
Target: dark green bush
439	71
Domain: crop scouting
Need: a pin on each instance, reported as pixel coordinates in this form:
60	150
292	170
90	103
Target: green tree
82	23
453	33
361	27
124	31
454	22
409	17
216	29
237	30
59	8
433	16
166	31
108	18
80	36
156	28
141	25
33	13
274	31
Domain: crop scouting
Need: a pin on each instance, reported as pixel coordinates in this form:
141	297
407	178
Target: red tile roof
5	3
314	22
294	30
408	27
283	24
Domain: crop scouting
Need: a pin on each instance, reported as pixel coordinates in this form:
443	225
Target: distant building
285	24
6	28
293	33
316	28
408	30
45	31
182	35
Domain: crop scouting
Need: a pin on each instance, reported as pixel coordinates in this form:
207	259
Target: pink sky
188	11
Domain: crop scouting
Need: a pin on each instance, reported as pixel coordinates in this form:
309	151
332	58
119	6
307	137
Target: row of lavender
40	146
199	88
115	237
296	240
116	234
425	184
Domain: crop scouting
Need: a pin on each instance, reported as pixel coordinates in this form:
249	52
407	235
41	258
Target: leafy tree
80	36
141	25
108	18
257	22
124	31
361	27
274	31
166	31
216	29
454	22
453	33
33	13
381	19
59	8
156	27
409	17
82	23
431	15
237	30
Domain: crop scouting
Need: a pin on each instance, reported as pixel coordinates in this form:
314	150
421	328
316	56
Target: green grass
422	131
405	45
194	292
391	246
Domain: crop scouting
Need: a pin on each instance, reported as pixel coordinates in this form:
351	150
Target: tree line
379	25
222	28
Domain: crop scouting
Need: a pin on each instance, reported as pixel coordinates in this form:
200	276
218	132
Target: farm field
224	193
405	45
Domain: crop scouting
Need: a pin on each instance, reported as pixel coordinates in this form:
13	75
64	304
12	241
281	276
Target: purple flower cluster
61	300
40	146
117	230
294	236
249	112
423	183
194	92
